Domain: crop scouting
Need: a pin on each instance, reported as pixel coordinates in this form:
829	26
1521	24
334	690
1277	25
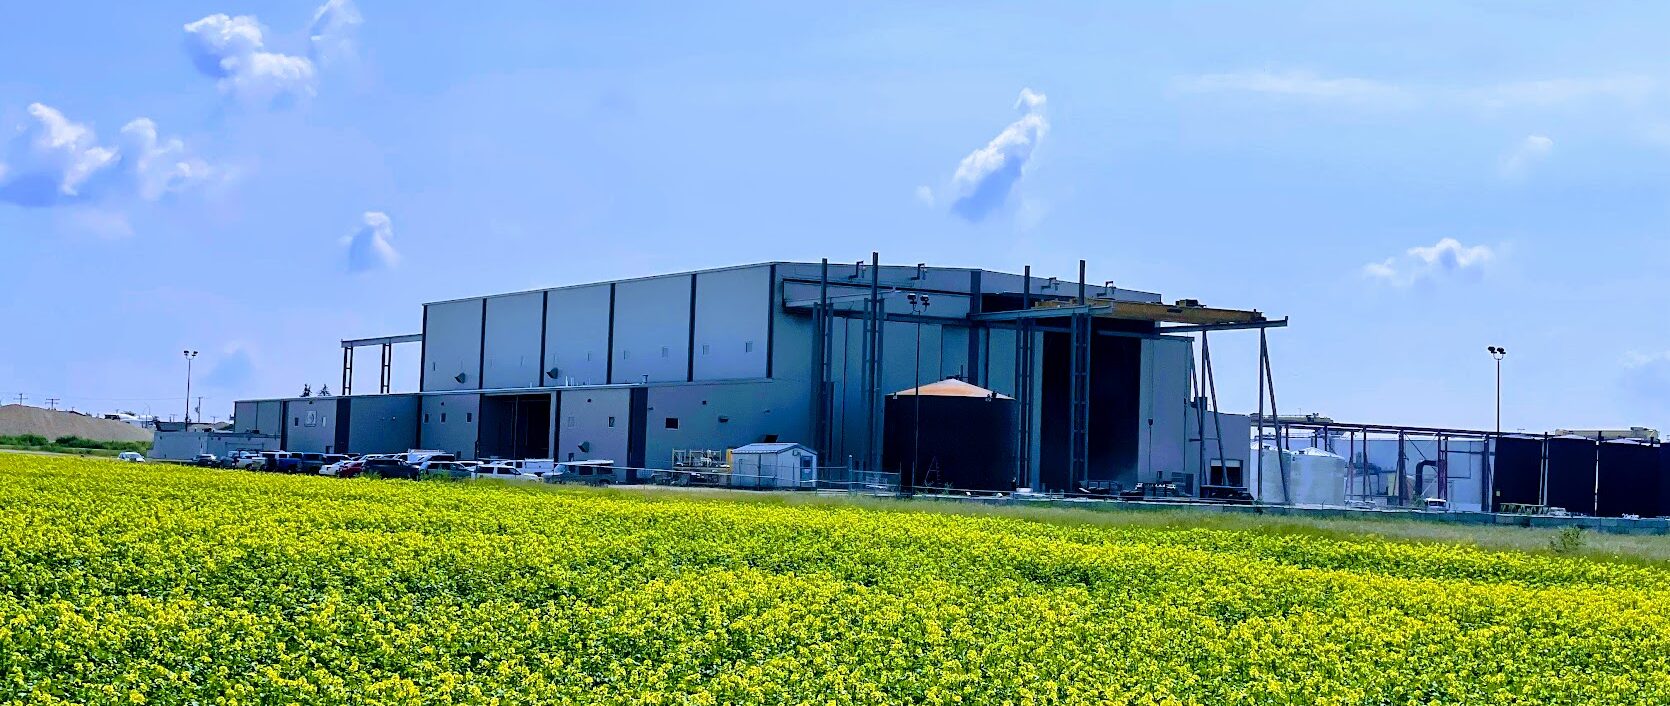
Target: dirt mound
16	419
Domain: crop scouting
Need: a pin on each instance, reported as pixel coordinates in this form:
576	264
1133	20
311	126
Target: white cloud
333	31
233	51
1366	92
1532	149
925	194
369	247
1300	84
1448	259
52	161
985	178
1548	92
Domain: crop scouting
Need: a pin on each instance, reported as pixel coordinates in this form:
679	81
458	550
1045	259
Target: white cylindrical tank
1314	477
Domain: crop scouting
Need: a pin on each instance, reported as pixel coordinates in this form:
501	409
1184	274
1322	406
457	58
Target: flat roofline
526	390
766	263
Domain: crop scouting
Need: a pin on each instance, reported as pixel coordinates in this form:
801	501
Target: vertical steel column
347	371
1269	381
1023	386
1079	410
386	379
822	354
872	450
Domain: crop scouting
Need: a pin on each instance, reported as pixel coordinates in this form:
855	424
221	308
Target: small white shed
773	465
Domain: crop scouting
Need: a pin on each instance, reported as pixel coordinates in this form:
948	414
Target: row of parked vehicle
420	463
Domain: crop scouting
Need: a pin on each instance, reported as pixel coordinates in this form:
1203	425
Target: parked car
418	456
533	466
597	472
208	460
443	469
280	462
504	472
389	467
250	460
345	468
130	457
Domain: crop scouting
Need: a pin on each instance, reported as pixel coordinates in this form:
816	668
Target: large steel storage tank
1314	476
965	439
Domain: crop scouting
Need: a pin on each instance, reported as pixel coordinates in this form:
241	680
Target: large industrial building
1106	390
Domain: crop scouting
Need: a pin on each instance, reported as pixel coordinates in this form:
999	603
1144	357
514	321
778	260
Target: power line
52	403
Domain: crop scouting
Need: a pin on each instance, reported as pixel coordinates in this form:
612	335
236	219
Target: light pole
1498	353
189	356
918	305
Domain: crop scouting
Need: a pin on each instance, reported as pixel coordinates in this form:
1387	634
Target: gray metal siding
244	416
511	349
1163	408
312	425
585	421
732	322
452	346
382	424
652	330
451	423
577	336
723	416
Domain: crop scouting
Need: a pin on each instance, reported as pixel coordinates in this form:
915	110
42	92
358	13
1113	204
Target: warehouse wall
512	341
451	423
577	336
652	330
599	420
733	319
312	427
1166	368
382	423
265	416
452	345
723	416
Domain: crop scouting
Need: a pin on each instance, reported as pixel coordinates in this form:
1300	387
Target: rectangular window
571	422
625	354
747	346
425	417
443	417
611	422
704	349
296	422
469	417
672	422
664	351
588	355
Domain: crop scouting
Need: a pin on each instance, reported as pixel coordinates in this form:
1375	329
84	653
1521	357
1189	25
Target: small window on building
443	417
296	421
672	422
611	422
571	422
588	355
664	351
625	354
425	417
747	346
469	417
704	349
724	419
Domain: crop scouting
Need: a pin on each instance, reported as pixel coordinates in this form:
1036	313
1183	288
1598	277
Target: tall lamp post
1498	353
918	305
189	356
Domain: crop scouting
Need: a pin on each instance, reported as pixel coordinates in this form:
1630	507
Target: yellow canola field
151	584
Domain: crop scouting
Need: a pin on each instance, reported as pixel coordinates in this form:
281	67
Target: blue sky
1410	182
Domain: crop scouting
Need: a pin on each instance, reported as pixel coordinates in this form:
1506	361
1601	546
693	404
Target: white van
533	466
130	457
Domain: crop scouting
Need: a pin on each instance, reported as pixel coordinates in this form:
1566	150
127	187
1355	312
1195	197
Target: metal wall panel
1517	473
723	416
1571	474
245	416
512	341
652	330
1162	421
733	320
268	417
451	423
312	425
382	424
452	346
594	425
577	336
1629	477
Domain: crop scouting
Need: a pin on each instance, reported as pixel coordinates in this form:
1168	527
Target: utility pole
20	399
52	403
918	304
189	354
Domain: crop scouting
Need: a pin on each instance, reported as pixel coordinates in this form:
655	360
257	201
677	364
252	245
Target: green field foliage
135	583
